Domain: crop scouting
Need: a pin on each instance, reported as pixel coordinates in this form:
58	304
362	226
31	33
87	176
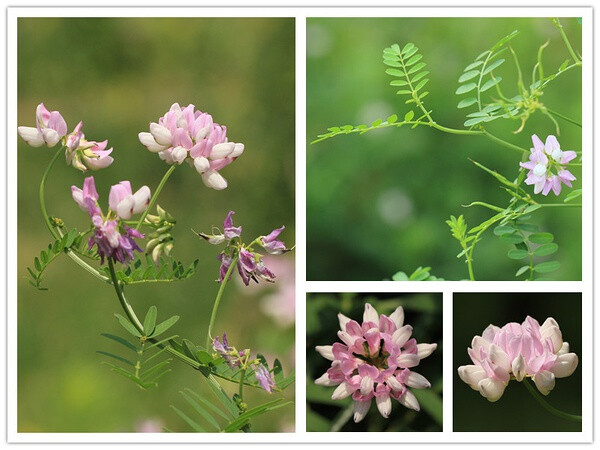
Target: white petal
393	383
51	137
472	375
555	335
424	350
361	408
148	140
565	365
221	151
384	405
237	151
370	315
141	199
202	133
343	321
125	207
201	164
498	357
214	180
417	381
325	351
342	391
32	136
324	380
544	381
492	389
401	335
179	154
518	368
161	134
78	197
366	385
398	316
346	338
564	349
407	360
409	400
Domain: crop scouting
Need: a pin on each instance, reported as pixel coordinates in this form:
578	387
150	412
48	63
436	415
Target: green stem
241	388
213	315
560	205
155	195
551	409
342	418
558	25
505	143
568	119
56	233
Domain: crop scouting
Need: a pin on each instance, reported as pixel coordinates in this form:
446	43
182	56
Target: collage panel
374	362
517	362
155	285
445	147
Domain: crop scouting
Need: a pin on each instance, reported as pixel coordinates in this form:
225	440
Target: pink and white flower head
542	160
250	265
50	128
191	135
375	360
517	351
113	238
83	154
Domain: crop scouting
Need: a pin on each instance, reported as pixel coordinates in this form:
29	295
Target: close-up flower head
515	352
375	360
186	134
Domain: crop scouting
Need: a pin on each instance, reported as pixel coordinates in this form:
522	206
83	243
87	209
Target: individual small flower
542	160
112	237
518	351
191	135
50	128
250	265
234	359
263	376
375	361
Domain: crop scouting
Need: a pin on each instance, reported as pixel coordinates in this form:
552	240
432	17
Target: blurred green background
376	203
422	311
118	75
516	410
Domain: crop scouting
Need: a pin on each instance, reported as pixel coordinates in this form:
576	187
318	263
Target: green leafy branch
146	341
70	241
420	274
144	270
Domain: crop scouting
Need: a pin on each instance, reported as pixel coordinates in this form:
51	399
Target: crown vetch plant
180	135
485	101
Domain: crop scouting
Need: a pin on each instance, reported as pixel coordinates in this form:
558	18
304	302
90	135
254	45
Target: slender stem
56	233
551	409
42	193
505	143
122	300
566	39
568	119
455	130
241	388
155	195
342	418
213	315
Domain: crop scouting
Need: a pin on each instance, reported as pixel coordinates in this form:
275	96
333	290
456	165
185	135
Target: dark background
118	75
422	311
516	410
377	203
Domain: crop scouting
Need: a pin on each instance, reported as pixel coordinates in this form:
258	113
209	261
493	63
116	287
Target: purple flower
113	238
225	263
232	357
273	245
188	134
50	128
263	377
83	154
542	160
229	230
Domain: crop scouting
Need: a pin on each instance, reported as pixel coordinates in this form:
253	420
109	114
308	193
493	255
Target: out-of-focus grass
377	203
118	75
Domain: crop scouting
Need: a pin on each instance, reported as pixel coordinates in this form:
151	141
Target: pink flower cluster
249	263
187	134
113	238
542	160
517	351
375	361
51	128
